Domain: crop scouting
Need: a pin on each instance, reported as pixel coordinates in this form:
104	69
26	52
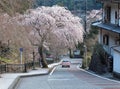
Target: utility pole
85	29
85	17
85	55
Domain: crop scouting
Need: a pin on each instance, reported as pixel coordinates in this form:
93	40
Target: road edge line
97	75
52	71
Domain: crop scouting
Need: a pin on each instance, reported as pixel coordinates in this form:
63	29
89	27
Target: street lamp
85	29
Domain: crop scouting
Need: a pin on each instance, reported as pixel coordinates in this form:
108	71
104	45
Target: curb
15	82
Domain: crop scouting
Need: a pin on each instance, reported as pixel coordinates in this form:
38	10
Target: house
109	31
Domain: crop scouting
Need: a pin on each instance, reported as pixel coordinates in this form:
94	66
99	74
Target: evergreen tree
70	4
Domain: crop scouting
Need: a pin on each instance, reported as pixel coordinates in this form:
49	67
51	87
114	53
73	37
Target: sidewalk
8	80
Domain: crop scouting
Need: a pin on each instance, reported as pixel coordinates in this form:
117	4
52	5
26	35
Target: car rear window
65	61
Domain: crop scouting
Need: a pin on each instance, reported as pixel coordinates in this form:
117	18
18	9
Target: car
66	63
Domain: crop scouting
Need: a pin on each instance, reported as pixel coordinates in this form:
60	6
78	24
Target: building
109	31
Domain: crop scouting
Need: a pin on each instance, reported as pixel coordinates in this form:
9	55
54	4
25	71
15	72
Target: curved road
67	78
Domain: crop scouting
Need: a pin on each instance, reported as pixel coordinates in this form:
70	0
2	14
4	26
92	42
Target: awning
108	27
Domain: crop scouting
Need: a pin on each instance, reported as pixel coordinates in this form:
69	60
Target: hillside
13	6
11	33
70	4
16	35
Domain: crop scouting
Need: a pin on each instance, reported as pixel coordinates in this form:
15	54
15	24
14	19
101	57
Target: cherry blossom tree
54	27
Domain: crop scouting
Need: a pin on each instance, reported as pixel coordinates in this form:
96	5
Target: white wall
112	37
116	62
113	9
100	36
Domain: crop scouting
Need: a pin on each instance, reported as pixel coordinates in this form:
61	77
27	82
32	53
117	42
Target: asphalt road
67	78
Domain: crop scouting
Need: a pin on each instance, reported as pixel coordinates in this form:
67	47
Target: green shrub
4	49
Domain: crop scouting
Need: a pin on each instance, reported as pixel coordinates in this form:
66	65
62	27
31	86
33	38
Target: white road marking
52	71
59	79
97	75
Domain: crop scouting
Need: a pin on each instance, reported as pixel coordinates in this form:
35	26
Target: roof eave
107	27
113	1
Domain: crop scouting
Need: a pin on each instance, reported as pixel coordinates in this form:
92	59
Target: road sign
21	49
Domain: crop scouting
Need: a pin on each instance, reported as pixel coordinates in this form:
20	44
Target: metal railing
3	68
18	68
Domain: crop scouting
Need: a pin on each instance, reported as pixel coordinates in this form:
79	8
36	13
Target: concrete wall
116	62
112	42
114	8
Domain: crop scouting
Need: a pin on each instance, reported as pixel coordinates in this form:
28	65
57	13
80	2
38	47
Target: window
117	40
116	18
106	39
108	14
115	14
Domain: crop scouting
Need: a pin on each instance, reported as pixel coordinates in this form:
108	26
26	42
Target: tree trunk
43	61
70	51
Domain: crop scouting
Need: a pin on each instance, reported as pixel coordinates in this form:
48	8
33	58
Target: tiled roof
108	27
117	1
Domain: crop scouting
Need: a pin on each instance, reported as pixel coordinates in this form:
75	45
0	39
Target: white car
66	63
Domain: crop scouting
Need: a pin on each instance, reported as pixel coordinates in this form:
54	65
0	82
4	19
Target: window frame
105	39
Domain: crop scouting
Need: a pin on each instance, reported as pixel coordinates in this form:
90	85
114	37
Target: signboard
21	49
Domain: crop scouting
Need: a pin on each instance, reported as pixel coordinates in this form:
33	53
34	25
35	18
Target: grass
5	60
86	60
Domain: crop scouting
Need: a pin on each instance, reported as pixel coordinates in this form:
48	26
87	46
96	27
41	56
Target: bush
4	49
98	62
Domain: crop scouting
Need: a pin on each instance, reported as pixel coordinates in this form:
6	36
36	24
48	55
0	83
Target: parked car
66	63
76	53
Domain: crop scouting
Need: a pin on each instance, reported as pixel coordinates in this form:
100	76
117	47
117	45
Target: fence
18	68
2	68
